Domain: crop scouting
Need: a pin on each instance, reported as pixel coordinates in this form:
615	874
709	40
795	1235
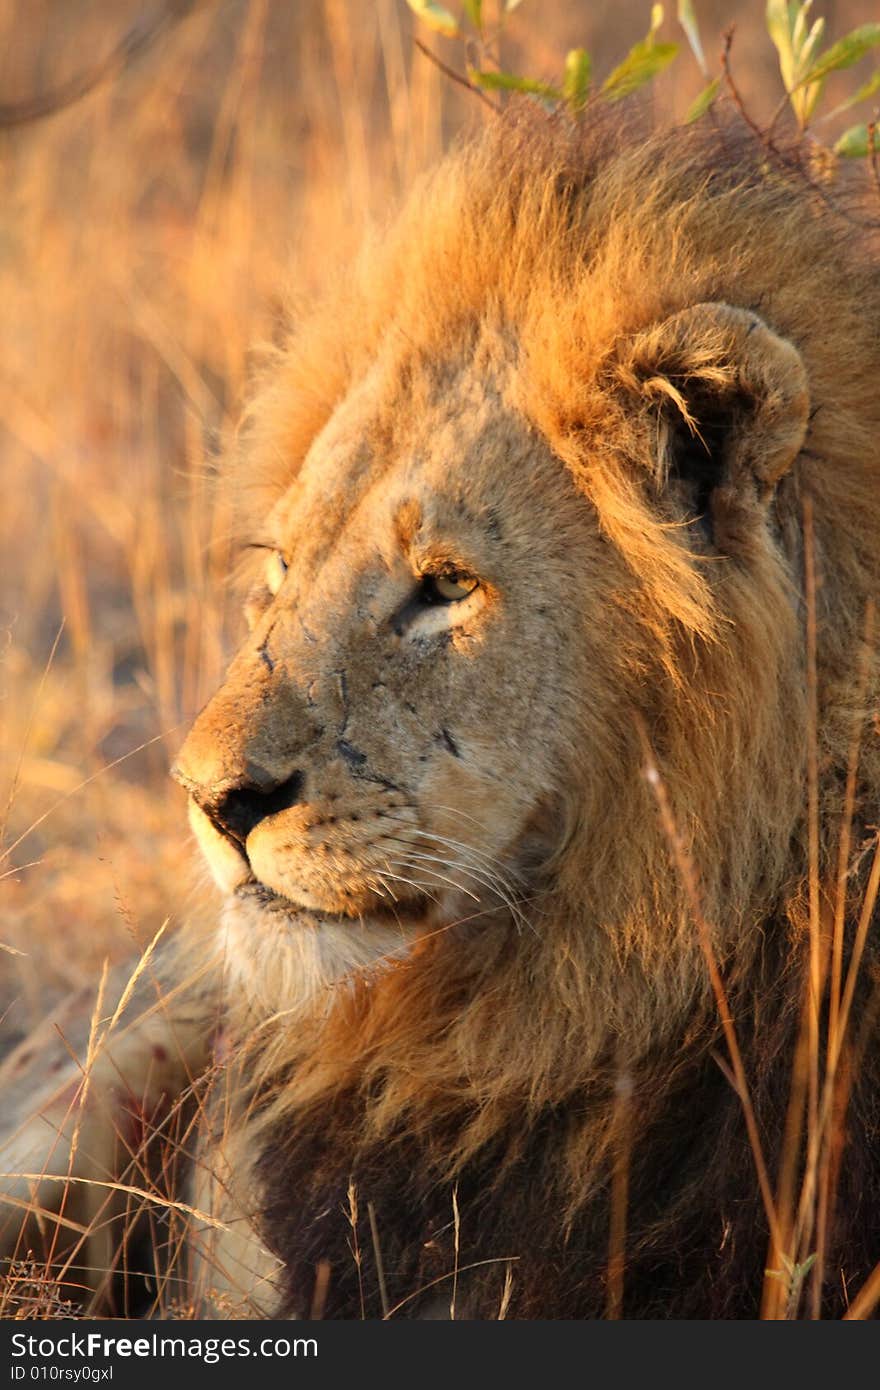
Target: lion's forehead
397	462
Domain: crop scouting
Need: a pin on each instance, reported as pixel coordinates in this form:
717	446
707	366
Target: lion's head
392	747
526	490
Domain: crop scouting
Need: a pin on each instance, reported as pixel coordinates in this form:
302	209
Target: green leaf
866	90
706	99
688	21
787	27
792	1274
854	143
643	62
809	45
435	16
576	83
798	47
508	82
779	25
474	11
844	53
806	43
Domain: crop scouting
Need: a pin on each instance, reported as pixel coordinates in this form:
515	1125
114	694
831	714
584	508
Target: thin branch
140	37
771	126
794	166
456	77
872	151
733	89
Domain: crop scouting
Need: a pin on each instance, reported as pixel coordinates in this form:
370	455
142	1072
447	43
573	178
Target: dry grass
148	235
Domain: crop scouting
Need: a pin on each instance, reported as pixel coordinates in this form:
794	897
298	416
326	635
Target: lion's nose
236	809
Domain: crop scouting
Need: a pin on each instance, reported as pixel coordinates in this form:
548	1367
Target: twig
456	77
791	166
771	125
872	151
733	89
140	37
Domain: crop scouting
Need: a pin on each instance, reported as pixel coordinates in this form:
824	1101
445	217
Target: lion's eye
450	587
276	569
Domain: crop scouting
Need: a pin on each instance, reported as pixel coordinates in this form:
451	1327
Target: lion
525	791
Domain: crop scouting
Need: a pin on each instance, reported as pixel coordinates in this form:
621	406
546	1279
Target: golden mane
574	238
572	242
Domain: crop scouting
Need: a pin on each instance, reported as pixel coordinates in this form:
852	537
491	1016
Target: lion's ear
732	403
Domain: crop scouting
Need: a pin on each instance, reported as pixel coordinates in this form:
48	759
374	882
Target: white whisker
443	878
513	906
387	873
488	872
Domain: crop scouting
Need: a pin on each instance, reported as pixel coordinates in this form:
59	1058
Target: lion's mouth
407	916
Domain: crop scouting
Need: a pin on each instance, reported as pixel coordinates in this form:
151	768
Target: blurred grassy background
147	236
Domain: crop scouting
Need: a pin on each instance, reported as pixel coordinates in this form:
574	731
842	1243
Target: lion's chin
406	916
284	957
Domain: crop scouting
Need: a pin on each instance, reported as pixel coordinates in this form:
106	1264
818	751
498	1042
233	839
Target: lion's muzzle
238	809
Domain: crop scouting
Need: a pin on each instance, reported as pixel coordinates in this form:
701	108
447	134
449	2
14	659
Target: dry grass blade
508	1260
456	1228
355	1247
506	1293
843	858
154	1198
833	1114
687	874
80	1103
866	917
807	1215
623	1090
377	1256
86	782
319	1293
866	1300
131	983
43	1213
